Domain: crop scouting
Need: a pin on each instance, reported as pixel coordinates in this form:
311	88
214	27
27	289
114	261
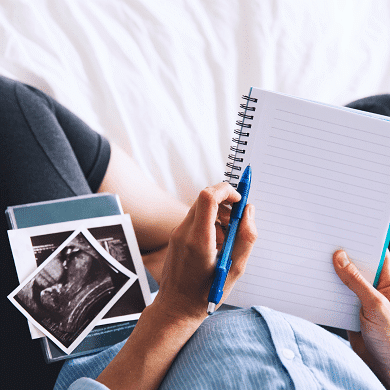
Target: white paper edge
132	278
24	234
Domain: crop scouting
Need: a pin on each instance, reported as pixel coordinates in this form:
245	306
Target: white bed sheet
164	79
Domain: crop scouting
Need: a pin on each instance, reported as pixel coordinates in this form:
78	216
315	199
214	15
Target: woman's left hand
372	344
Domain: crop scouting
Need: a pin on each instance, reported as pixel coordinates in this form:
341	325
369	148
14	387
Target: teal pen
224	259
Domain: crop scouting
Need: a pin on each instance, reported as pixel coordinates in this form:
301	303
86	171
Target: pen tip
211	308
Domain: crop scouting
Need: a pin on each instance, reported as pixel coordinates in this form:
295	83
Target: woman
49	154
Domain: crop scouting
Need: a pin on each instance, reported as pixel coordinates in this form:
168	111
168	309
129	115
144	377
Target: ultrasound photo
112	238
72	287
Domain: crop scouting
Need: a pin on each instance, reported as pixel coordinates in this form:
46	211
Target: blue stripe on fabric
87	384
324	360
230	350
246	349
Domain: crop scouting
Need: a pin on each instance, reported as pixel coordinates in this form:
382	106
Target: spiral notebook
321	181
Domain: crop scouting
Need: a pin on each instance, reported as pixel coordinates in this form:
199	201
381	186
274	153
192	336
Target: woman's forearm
153	211
180	305
150	350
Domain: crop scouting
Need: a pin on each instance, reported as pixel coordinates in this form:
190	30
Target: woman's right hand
190	263
181	303
372	343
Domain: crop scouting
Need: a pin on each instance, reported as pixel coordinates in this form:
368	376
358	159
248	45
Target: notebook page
321	181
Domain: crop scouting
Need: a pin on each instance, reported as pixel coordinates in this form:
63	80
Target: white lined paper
321	181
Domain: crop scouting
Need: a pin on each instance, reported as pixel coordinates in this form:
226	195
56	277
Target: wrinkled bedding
164	79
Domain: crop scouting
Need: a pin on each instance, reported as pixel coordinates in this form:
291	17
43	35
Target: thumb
354	280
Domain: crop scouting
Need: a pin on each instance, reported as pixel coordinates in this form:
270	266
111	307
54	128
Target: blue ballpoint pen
224	258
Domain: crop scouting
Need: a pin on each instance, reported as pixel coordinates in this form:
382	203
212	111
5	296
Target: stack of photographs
76	275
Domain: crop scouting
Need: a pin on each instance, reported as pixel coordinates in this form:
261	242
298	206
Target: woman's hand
181	304
372	344
190	263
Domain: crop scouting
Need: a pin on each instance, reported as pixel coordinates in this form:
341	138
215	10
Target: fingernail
342	259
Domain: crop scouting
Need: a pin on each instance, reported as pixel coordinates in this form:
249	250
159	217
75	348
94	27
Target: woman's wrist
171	315
382	371
150	350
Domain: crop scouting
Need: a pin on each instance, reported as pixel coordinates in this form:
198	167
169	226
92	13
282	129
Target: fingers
353	279
220	235
222	222
207	204
245	239
224	213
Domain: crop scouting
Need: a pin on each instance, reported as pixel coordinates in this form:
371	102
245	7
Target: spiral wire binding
240	141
